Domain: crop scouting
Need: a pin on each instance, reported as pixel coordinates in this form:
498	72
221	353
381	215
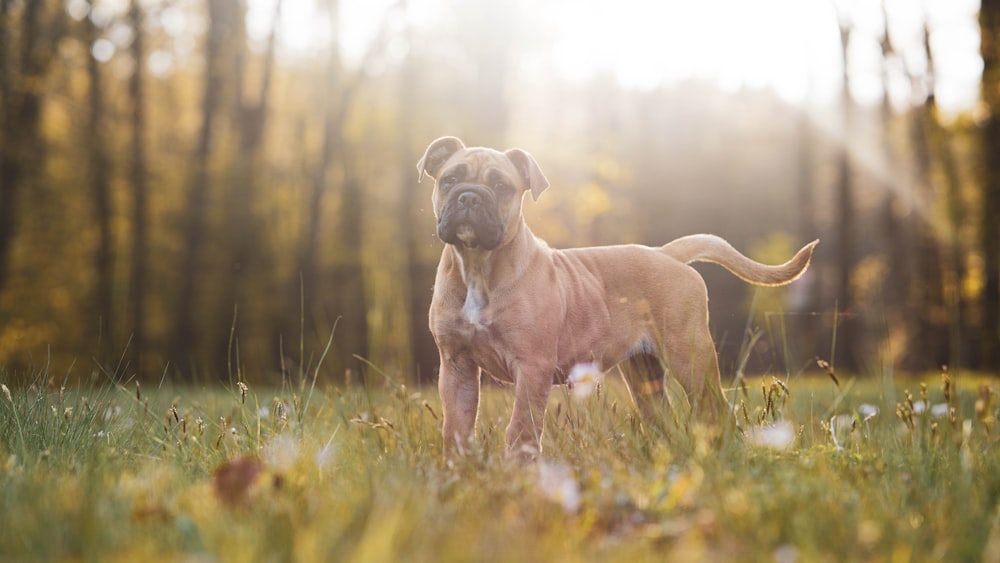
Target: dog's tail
710	248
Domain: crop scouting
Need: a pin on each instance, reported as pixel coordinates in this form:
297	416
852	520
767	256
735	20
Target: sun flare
789	46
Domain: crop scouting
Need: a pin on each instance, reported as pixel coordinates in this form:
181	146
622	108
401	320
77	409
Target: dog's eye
448	181
501	186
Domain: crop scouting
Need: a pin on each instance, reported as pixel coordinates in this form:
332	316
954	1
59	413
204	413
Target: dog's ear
530	173
436	155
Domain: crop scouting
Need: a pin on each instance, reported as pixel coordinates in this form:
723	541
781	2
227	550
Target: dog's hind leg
643	374
693	363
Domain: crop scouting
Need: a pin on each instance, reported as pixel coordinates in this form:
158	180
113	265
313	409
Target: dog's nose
469	199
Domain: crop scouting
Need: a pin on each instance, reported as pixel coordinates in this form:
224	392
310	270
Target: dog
507	303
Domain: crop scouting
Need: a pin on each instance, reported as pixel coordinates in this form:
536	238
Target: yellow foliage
975	277
867	277
775	249
591	202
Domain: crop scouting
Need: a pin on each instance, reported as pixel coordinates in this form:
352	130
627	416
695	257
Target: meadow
871	469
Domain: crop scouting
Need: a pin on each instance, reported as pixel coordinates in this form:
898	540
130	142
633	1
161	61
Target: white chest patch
475	302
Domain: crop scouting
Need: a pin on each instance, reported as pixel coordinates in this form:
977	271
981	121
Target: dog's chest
465	317
474	308
477	329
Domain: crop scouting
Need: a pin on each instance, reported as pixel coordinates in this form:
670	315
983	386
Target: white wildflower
940	410
841	426
328	452
6	391
867	411
778	436
112	412
786	553
584	379
557	484
326	455
281	453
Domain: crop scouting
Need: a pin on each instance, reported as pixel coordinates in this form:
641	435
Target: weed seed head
825	366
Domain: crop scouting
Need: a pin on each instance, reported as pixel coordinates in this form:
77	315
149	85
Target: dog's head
478	191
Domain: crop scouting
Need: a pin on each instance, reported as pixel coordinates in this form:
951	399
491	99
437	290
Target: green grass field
304	473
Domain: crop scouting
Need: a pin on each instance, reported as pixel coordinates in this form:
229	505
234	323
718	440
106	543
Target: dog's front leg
524	433
458	386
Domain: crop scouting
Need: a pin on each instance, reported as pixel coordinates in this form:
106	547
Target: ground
862	469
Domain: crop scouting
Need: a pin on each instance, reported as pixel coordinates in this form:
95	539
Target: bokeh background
210	189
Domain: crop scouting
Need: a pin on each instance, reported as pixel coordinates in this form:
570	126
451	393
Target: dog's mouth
471	234
467	235
471	219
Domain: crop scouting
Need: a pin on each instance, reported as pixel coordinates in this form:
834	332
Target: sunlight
306	26
765	44
789	46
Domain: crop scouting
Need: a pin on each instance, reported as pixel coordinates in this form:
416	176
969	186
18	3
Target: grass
126	473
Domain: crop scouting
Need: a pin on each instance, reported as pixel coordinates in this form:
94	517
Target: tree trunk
139	180
242	245
100	179
806	308
845	223
952	269
4	52
347	281
186	327
419	272
303	288
989	25
898	317
9	167
22	110
925	295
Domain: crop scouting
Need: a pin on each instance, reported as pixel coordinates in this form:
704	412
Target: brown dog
506	303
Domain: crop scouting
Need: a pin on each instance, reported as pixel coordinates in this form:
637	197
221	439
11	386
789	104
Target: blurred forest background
199	188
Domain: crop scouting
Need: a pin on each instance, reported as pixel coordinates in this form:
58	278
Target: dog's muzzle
471	218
